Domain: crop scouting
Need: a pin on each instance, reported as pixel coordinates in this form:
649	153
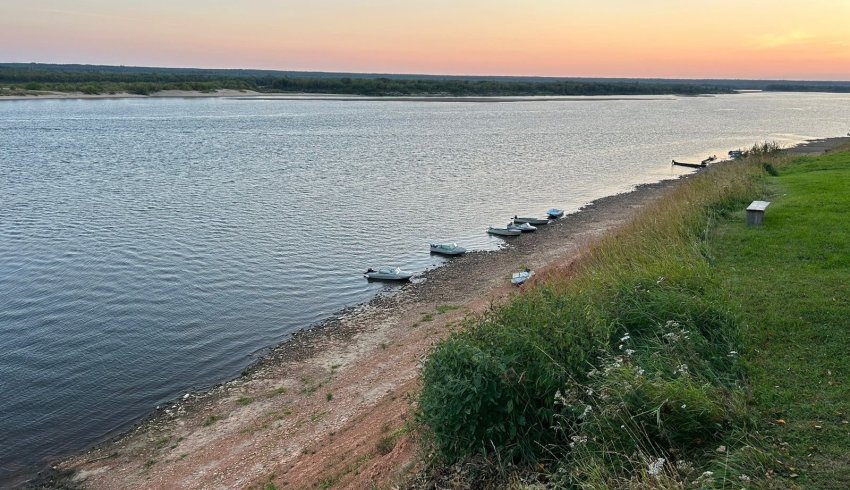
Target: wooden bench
755	212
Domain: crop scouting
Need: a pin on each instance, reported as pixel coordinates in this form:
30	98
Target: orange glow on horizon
604	38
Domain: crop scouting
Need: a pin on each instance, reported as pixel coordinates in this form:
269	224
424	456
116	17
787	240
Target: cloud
773	41
799	43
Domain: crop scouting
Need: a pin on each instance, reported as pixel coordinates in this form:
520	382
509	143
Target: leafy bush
489	387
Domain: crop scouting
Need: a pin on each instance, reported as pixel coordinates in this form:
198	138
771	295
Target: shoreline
282	402
287	96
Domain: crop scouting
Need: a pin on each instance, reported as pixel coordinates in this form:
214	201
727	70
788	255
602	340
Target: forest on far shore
27	78
13	78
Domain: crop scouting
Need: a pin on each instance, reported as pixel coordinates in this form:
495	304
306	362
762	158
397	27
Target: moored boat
531	221
696	165
503	231
689	165
523	227
518	278
447	248
388	274
555	213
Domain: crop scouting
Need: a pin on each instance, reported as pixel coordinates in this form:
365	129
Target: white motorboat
523	227
518	278
447	248
503	231
531	221
555	213
388	274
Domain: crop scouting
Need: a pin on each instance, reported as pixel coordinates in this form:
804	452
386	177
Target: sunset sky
596	38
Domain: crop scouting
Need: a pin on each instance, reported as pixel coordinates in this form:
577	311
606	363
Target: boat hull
503	232
436	249
524	228
520	277
689	165
531	221
373	276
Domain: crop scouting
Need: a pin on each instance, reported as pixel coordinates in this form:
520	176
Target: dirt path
328	408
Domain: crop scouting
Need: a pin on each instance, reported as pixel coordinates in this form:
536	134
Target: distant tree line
145	83
146	80
794	87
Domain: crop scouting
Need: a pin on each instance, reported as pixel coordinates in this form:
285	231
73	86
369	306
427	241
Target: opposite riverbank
289	96
332	405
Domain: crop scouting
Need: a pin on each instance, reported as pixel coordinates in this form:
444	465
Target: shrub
491	386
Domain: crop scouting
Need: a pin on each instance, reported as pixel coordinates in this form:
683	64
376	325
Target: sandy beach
330	406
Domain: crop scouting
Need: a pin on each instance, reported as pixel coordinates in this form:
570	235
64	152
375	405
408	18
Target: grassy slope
792	279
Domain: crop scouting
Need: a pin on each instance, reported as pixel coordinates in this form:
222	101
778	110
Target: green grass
791	279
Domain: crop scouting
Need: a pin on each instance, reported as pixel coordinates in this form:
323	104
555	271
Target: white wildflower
625	337
629	352
706	478
618	363
578	440
744	478
587	410
560	399
589	392
640	371
656	467
681	369
732	353
684	405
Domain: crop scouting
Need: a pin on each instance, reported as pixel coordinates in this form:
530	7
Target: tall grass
627	359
